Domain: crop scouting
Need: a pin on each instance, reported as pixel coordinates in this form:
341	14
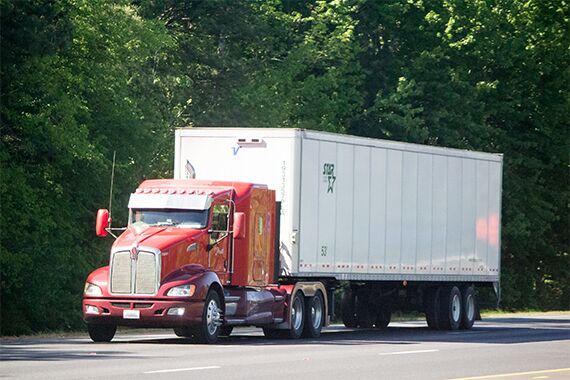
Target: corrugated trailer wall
363	209
399	212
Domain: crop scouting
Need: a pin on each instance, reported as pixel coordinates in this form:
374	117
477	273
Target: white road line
407	352
183	369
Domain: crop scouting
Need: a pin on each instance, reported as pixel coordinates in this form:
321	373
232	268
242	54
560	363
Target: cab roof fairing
170	201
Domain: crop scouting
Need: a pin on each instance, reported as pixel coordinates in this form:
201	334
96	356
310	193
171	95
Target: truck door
220	238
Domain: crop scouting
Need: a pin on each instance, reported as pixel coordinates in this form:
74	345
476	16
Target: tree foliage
81	79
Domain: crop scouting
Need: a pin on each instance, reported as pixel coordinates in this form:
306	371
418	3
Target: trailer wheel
297	316
364	315
101	333
348	308
431	305
383	317
469	309
450	308
314	315
209	329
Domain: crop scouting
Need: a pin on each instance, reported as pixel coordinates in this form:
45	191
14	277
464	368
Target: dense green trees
81	79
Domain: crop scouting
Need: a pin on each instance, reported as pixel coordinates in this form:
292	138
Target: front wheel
314	315
209	329
101	333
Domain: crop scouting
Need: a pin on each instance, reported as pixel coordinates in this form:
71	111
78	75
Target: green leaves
85	79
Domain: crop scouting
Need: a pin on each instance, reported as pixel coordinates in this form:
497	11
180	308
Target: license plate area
131	314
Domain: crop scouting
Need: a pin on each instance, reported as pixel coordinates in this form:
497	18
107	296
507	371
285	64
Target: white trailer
365	210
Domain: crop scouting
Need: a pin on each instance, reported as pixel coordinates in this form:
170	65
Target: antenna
111	189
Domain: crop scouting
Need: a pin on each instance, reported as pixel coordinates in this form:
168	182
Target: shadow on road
491	331
16	352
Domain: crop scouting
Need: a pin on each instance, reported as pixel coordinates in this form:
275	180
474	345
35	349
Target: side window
219	222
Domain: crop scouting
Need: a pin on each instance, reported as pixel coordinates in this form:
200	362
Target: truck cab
196	256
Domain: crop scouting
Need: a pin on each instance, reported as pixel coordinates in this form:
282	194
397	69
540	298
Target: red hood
157	237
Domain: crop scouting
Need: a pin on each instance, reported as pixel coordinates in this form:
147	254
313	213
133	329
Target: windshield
165	217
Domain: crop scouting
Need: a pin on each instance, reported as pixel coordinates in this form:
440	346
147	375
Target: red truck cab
196	256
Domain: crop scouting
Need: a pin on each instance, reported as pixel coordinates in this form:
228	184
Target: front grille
138	276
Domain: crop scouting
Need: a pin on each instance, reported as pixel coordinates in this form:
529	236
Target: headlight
182	291
92	290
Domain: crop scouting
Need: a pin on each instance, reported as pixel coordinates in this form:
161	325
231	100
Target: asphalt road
496	348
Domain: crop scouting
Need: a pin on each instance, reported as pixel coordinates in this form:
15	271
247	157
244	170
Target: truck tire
209	329
450	308
383	317
364	316
469	309
314	315
348	308
226	330
431	305
275	333
183	332
297	316
101	333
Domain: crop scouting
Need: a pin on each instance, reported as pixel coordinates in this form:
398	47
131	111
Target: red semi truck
407	227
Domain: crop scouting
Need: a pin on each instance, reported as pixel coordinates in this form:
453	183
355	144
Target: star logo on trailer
329	177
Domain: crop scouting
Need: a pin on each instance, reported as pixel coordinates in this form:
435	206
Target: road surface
497	348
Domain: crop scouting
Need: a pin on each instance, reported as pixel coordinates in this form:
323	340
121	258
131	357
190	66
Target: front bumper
152	313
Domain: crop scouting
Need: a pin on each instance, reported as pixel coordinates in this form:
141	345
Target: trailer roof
240	132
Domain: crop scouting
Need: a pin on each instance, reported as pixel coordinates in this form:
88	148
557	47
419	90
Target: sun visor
170	201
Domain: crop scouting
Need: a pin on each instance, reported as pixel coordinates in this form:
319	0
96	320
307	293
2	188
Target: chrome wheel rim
455	307
213	317
297	314
316	312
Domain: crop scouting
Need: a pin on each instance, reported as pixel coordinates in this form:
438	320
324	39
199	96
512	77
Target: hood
157	237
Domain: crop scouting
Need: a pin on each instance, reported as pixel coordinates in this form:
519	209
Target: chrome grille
138	276
145	281
121	273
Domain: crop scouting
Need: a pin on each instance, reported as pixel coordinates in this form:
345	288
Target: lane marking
407	352
514	374
183	369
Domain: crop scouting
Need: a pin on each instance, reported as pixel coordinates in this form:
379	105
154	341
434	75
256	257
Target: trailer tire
209	329
383	317
469	309
314	315
431	305
100	332
450	308
364	315
348	308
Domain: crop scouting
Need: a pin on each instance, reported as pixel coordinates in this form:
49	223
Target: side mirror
239	225
102	222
